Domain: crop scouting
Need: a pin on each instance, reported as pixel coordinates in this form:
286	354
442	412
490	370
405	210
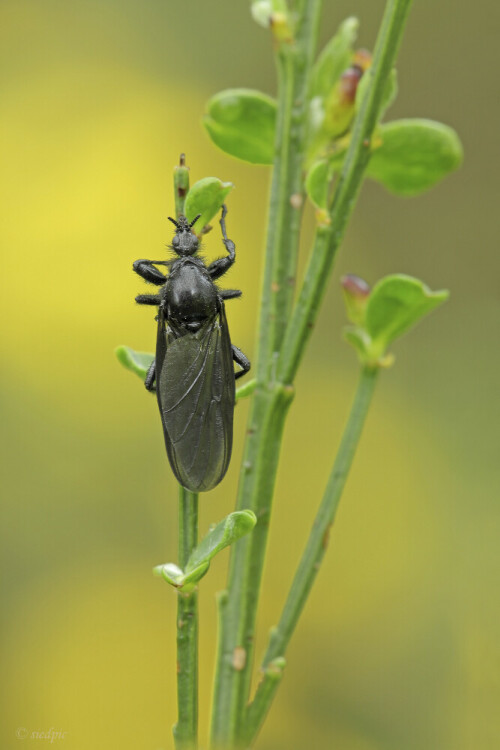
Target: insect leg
230	293
240	360
150	377
148	299
220	266
146	269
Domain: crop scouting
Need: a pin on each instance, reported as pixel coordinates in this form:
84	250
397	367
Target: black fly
193	372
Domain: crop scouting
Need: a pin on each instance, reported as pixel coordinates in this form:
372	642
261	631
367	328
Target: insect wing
196	397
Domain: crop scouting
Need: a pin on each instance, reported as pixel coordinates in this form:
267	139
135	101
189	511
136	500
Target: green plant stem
235	647
186	729
330	235
271	400
327	241
312	556
309	302
286	202
293	60
266	690
274	391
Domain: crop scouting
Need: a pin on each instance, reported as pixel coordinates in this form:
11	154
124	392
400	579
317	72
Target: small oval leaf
138	362
246	389
396	303
334	58
206	198
415	154
317	183
263	11
171	573
234	526
242	123
358	338
192	577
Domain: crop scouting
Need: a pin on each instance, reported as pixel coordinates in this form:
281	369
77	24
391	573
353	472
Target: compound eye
175	241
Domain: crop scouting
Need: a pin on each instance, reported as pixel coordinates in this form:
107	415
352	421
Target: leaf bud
356	293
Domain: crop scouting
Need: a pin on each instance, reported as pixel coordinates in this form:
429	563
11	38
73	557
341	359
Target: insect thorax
189	293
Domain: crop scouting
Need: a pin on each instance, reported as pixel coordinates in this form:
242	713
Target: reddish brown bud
349	83
356	293
355	285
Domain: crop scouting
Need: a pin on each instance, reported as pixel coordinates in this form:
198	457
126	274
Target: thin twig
312	557
186	729
329	237
270	402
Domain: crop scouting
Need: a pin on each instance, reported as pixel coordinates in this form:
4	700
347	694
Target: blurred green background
398	647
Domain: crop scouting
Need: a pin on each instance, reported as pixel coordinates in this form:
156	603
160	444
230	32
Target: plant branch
312	556
293	60
274	391
327	240
186	729
264	696
329	236
271	401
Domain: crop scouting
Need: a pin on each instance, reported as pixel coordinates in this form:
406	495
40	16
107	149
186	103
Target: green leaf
206	198
242	123
192	577
176	577
263	10
246	389
234	526
396	303
318	182
414	155
170	573
334	58
359	339
137	362
388	97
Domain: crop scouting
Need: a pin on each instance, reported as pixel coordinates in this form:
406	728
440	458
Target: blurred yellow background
398	647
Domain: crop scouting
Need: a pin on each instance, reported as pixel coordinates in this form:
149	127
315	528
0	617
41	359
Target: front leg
147	271
148	299
220	266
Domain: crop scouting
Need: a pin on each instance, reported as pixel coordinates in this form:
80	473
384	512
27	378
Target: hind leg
150	377
241	360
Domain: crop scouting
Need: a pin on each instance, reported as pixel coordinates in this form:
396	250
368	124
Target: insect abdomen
196	399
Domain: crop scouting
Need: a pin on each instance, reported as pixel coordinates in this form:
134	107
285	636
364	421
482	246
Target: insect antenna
174	222
194	220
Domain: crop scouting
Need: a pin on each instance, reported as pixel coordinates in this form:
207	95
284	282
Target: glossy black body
193	372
